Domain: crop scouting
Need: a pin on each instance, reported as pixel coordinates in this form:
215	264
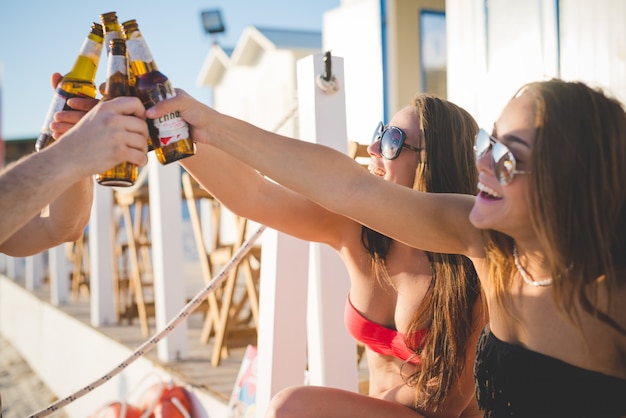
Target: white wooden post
35	272
101	261
59	275
167	255
281	355
15	269
332	352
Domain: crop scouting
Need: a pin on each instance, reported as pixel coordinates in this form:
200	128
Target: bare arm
336	182
111	133
249	194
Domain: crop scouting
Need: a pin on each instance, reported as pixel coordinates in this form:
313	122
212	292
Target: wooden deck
196	369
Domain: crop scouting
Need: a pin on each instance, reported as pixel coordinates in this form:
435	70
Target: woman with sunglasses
417	318
546	234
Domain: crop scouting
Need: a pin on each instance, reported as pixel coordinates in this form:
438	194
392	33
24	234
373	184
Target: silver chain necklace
522	271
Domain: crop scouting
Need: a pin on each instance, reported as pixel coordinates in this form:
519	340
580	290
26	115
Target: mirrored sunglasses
502	159
391	141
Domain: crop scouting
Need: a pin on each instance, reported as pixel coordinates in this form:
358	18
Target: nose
373	149
484	162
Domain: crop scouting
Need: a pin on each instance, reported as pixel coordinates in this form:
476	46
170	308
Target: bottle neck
139	55
88	59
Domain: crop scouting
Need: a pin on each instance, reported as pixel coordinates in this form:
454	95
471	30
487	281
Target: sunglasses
391	141
502	159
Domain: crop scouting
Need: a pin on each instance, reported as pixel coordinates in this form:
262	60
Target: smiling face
505	208
400	170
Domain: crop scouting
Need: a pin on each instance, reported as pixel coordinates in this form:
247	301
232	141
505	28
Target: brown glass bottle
78	82
169	134
123	174
111	27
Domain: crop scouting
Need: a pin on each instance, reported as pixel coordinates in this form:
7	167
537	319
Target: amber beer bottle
169	134
76	83
111	27
123	174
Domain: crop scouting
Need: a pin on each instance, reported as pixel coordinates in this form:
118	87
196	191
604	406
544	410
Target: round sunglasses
502	159
391	141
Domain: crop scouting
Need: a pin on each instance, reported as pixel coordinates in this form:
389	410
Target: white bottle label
172	128
137	48
117	64
56	105
91	49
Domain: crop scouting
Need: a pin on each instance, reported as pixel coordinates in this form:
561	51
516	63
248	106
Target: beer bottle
111	27
169	134
123	174
78	82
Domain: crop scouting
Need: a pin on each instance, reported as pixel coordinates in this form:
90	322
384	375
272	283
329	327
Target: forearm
233	183
27	186
70	212
309	169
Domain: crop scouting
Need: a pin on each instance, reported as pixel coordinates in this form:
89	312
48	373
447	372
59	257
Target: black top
512	381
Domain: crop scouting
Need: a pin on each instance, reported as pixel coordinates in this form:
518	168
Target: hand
196	114
110	133
65	119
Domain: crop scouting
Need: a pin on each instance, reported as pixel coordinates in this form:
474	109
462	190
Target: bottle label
117	64
56	105
172	128
108	37
138	49
91	49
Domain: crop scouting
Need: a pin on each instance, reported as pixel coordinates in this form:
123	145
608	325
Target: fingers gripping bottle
78	82
123	174
169	134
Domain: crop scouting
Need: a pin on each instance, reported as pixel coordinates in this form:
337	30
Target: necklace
522	271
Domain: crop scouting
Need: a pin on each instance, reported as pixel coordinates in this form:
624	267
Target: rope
152	342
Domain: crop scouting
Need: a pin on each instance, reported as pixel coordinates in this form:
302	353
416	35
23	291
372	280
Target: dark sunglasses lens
482	143
503	163
391	143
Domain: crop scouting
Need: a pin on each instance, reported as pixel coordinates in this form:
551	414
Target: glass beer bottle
79	82
169	134
123	174
111	27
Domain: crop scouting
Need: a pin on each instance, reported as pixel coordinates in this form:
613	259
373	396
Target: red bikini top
380	339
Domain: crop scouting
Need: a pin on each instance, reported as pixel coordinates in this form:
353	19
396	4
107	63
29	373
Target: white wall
67	355
352	32
593	43
491	55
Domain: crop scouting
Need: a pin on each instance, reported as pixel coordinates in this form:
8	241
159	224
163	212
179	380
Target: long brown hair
448	166
577	196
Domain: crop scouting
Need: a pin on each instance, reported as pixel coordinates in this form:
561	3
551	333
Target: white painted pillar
59	275
281	354
167	255
35	272
15	268
101	260
332	352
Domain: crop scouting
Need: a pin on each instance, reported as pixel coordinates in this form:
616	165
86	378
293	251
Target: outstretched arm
60	175
336	181
249	194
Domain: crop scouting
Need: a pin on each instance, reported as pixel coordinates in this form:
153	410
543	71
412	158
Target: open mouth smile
486	192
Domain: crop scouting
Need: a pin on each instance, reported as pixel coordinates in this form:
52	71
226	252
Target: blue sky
39	37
